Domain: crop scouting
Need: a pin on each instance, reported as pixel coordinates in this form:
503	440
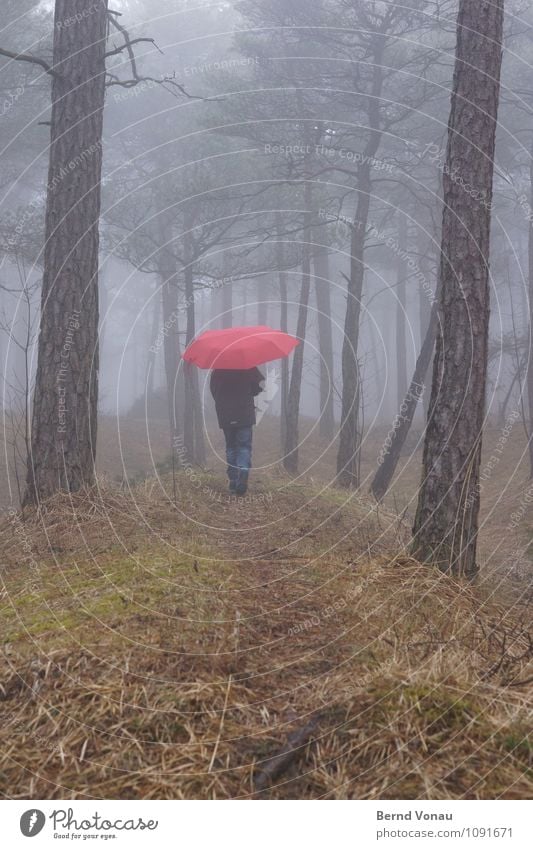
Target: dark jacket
234	391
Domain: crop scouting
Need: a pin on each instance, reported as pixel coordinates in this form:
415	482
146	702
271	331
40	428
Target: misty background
205	166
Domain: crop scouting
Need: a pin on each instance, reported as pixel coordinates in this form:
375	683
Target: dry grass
151	652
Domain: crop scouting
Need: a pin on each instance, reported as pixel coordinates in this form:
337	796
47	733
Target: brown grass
151	652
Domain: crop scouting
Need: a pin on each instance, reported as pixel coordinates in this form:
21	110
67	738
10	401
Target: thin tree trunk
325	340
134	339
516	378
349	434
168	274
424	300
290	458
262	304
424	305
193	430
216	321
529	376
227	301
227	297
283	322
520	363
152	350
446	523
401	305
406	411
169	302
102	310
63	439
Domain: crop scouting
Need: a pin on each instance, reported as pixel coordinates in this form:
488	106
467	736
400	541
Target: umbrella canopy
239	347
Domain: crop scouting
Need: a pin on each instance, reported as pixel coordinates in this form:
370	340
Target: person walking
234	391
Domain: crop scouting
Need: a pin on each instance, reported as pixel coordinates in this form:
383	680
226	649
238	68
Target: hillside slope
281	646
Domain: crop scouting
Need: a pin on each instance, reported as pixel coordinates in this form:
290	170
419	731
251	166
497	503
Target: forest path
166	650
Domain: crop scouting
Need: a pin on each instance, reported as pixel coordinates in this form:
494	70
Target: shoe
241	484
232	487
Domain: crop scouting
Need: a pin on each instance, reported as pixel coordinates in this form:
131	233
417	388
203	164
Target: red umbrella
239	347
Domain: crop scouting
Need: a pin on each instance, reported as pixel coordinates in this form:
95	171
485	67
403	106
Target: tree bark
529	377
401	304
227	298
168	275
349	433
63	439
283	323
446	522
425	312
261	297
406	411
325	340
216	321
152	351
516	378
193	429
290	457
171	348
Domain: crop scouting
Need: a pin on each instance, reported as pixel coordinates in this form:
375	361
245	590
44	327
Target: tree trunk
283	323
529	377
425	312
171	352
325	341
103	301
406	411
193	430
446	522
63	439
152	350
227	298
424	299
168	275
216	321
516	378
401	304
349	433
261	297
290	458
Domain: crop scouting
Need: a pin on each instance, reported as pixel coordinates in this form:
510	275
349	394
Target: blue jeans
238	455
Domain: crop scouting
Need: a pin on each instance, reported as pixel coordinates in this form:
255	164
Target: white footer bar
268	825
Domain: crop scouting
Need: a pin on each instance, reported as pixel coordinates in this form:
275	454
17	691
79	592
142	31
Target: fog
238	154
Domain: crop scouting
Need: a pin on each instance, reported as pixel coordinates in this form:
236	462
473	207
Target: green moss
118	587
439	711
519	744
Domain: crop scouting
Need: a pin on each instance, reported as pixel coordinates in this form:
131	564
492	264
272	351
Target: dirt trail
155	651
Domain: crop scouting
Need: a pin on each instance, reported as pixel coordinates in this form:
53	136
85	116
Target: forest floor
282	646
130	450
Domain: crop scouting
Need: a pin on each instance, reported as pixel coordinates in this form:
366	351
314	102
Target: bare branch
122	47
27	57
135	77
